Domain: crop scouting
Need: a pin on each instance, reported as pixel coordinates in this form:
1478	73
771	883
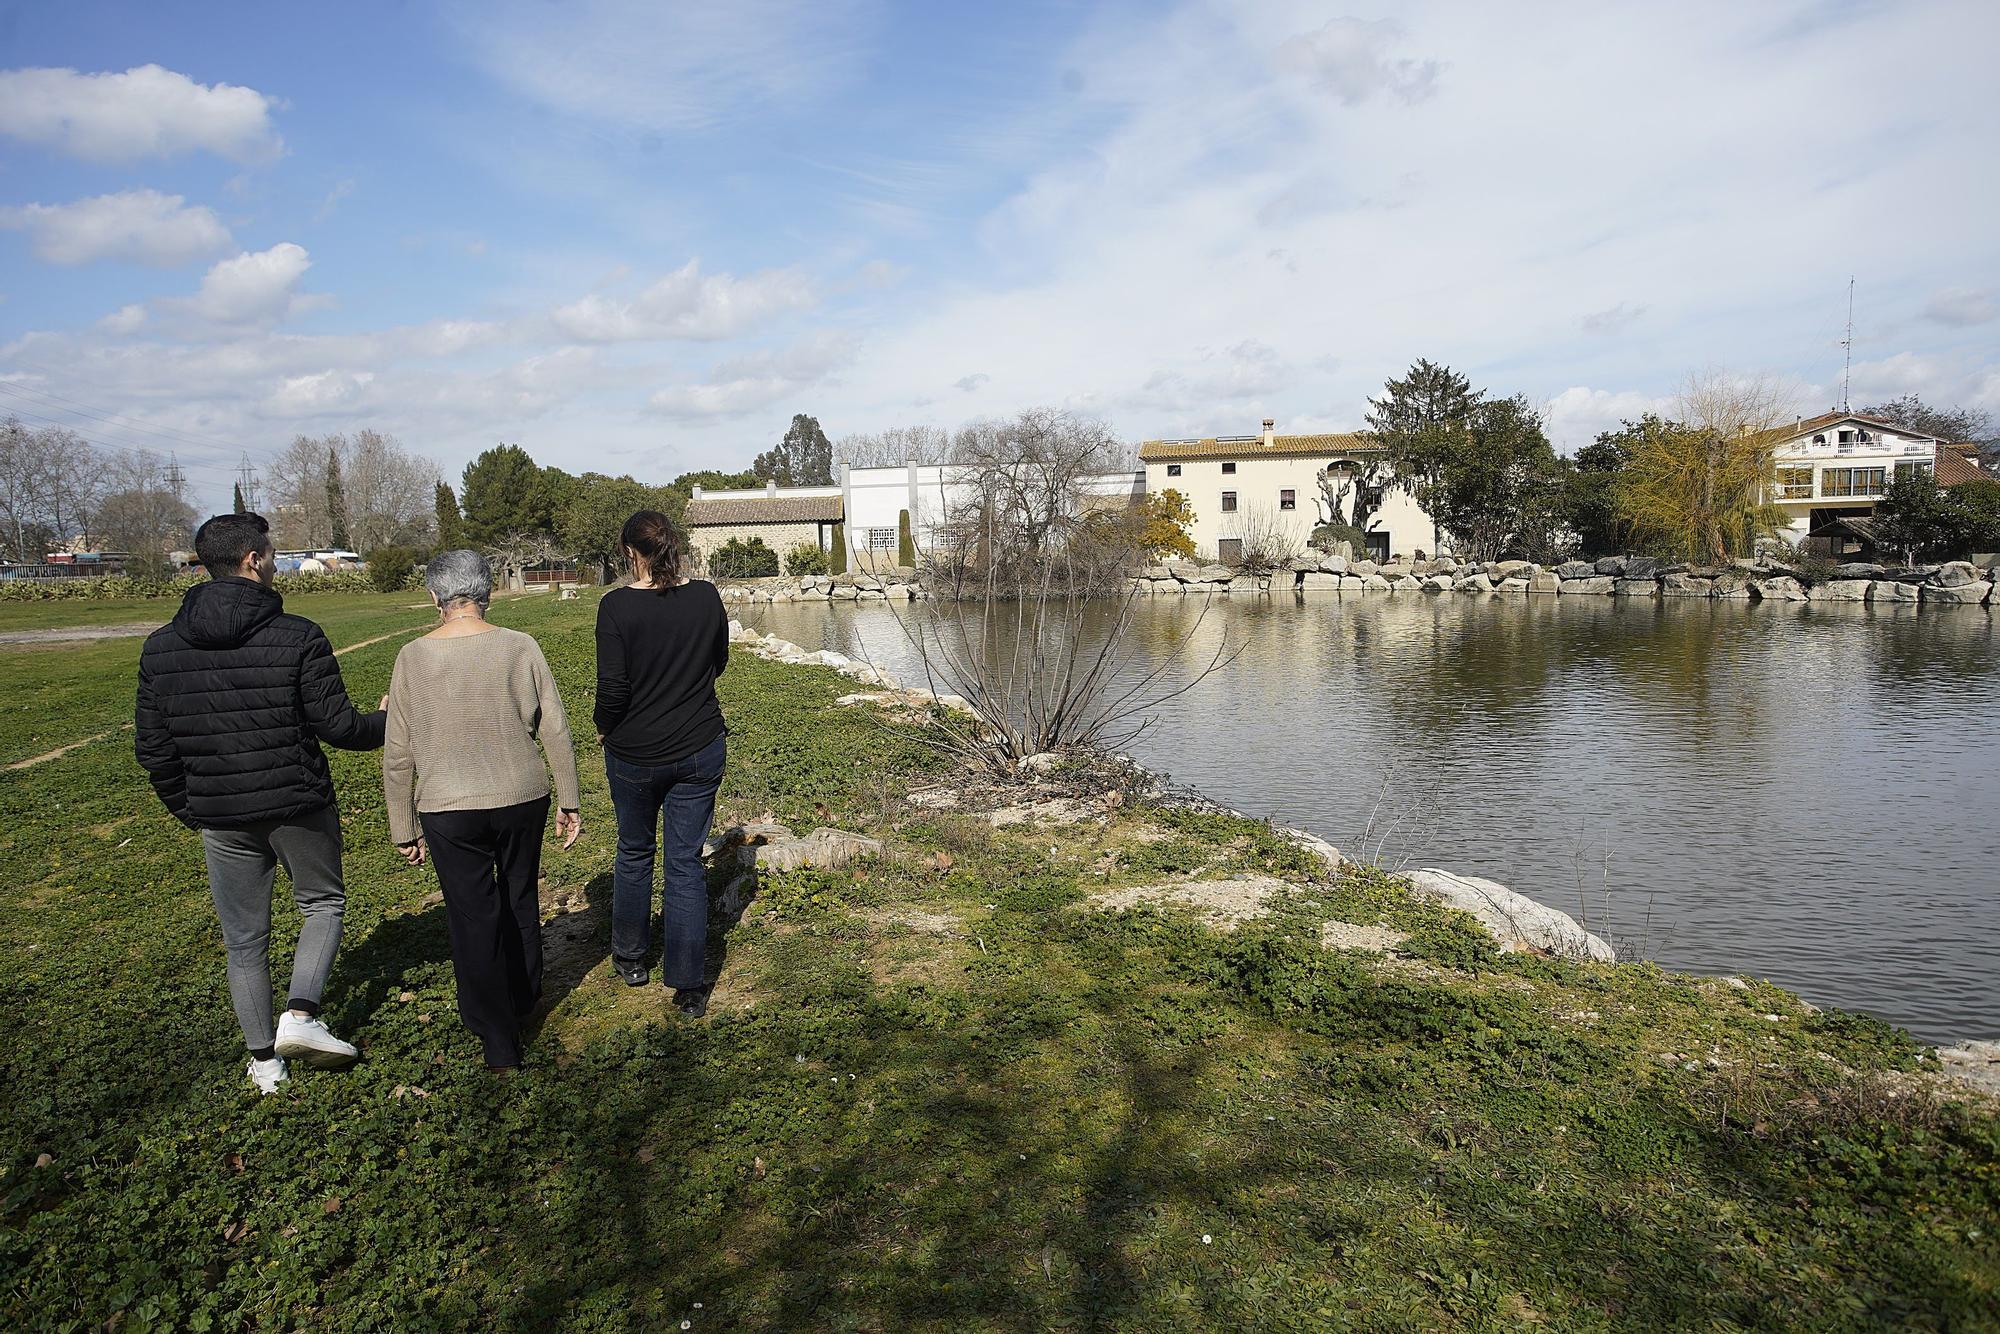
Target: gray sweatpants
242	866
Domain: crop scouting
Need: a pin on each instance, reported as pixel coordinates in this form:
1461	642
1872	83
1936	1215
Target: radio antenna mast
1847	343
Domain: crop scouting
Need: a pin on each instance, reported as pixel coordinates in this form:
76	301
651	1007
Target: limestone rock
1732	584
1438	583
1575	569
1515	920
1375	583
1613	565
1891	590
1500	571
1973	1063
1516	584
1844	590
1858	570
1474	583
1956	574
1545	581
822	850
1596	583
1363	568
1970	595
1223	904
1643	567
1685	586
1637	588
1328	854
1779	588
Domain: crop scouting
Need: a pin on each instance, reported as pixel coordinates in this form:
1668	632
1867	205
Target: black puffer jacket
234	698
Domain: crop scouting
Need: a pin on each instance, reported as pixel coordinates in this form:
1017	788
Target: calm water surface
1803	792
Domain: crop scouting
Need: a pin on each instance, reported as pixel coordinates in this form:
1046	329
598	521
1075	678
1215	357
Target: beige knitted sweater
464	714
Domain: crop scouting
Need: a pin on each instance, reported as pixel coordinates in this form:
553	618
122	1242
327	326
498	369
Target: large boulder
1637	588
1890	590
1956	574
1975	1064
1437	583
1474	583
1375	583
1575	569
1596	583
822	850
1967	595
1844	590
1516	584
1363	568
1685	586
1858	570
1215	574
1515	920
1732	584
1544	581
1404	583
1613	565
1506	569
1643	567
1318	581
1779	588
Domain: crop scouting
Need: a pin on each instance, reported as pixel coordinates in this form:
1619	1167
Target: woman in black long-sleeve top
661	642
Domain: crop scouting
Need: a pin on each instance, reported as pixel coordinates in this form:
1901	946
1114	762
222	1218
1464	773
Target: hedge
93	589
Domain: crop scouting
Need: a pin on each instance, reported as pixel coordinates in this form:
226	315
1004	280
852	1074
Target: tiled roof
1809	425
1953	467
1252	446
764	509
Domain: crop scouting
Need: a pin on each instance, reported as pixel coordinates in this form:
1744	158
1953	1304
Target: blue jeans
685	790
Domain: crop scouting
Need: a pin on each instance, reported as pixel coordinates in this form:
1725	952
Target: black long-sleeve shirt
658	654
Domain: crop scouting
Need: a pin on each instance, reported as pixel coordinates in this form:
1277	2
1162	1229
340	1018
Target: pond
1803	792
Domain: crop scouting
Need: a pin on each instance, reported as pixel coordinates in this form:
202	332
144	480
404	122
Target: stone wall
900	584
1957	583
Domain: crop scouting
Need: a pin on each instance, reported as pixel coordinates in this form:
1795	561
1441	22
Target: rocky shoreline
1955	583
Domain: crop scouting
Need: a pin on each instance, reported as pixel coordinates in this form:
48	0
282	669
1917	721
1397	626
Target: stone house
784	517
1835	467
1248	489
932	494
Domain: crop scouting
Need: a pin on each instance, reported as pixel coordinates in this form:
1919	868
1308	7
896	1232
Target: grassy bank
938	1091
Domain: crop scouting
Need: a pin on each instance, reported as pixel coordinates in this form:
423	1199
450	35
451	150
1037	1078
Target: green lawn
934	1093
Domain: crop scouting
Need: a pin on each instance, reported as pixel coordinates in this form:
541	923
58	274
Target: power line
107	442
112	418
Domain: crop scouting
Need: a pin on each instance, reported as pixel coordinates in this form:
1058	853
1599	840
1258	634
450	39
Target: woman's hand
569	824
413	853
383	705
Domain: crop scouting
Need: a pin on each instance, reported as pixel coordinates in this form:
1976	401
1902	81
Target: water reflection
1796	790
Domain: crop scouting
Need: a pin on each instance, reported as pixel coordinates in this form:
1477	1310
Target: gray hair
459	576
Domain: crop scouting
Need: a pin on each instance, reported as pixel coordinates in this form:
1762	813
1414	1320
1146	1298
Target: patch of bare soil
70	633
1223	904
1348	936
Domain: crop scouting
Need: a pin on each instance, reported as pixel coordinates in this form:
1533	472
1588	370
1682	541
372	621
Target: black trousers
488	863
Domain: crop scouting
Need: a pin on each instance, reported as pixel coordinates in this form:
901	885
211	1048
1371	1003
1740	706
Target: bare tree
143	511
389	492
517	553
1269	539
1033	628
51	480
894	446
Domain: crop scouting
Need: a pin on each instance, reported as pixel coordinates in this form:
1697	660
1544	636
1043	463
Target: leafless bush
1269	538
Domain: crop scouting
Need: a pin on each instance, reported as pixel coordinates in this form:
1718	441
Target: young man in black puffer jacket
234	698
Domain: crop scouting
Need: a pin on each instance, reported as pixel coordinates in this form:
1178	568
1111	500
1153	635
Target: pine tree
450	526
803	458
1423	421
336	500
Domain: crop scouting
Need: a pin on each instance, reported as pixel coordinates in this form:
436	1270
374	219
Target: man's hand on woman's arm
569	824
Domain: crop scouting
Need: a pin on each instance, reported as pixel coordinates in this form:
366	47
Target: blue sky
638	236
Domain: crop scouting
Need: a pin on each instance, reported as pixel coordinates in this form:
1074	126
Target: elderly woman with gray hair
464	782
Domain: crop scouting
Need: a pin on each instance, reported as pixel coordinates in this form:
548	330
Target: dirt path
64	634
406	630
61	751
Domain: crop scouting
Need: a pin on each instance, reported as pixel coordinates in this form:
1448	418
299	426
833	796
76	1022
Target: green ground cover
938	1091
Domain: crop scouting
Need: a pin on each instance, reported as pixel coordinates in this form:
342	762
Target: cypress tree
906	548
450	527
336	499
839	565
239	498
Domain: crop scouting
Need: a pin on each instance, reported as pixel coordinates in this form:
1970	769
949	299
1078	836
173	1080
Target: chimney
771	489
696	493
1270	435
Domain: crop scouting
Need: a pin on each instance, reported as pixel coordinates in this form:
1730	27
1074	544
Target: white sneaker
308	1040
267	1075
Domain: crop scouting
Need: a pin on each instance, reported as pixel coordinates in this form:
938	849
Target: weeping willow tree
1699	486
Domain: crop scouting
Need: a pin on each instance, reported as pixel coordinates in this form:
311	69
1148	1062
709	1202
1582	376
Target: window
1820	439
1912	468
1851	482
1288	500
881	539
1847	437
1228	468
1229	502
1229	550
1795	483
1173	470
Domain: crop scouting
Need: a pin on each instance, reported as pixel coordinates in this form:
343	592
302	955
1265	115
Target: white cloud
126	319
144	112
967	384
317	394
687	304
666	68
743	384
1574	417
1613	319
256	287
137	226
1962	307
1347	58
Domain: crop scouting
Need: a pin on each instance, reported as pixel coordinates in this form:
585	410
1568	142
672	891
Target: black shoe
692	1002
635	974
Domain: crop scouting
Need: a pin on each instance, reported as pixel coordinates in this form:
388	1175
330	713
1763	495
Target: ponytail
658	541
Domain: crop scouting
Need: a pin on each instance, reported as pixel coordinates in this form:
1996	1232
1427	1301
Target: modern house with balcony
1245	488
1837	465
